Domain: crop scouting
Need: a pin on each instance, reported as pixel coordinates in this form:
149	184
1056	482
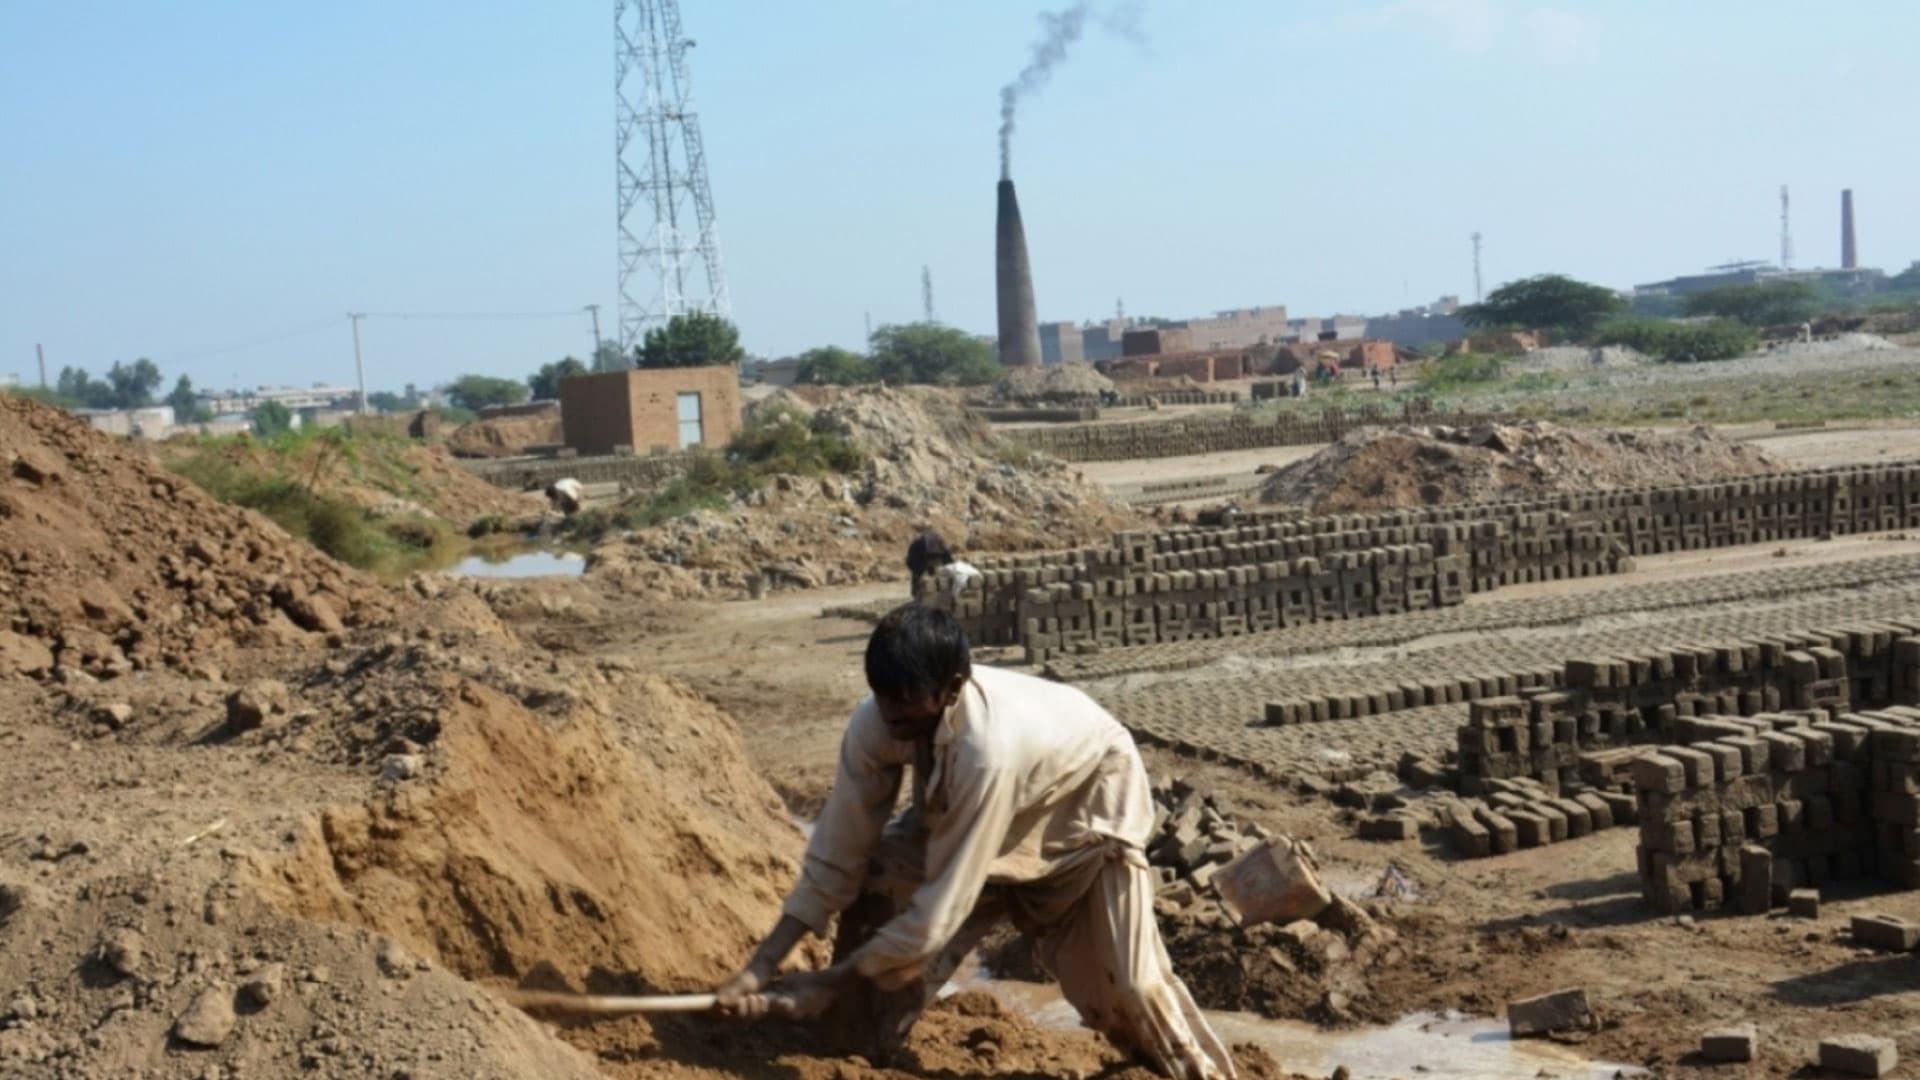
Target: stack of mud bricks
1748	809
1525	813
1209	435
1567	733
1538	737
1147	587
1744	806
1499	686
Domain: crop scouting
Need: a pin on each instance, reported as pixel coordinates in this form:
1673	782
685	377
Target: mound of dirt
1050	382
385	476
1405	467
109	564
613	831
932	464
506	436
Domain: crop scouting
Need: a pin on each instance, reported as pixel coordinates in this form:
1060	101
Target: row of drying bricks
1535	611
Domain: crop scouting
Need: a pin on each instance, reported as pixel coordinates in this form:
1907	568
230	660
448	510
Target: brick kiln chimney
1013	285
1849	255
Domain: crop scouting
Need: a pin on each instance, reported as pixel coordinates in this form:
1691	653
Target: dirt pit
1404	467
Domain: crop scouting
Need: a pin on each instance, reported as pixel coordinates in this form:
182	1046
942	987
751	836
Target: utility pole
926	295
594	309
1786	233
1477	297
869	328
41	352
359	369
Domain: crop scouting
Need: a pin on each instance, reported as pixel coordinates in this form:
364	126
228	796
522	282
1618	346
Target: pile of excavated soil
932	464
341	885
109	564
334	886
506	436
1053	382
1403	467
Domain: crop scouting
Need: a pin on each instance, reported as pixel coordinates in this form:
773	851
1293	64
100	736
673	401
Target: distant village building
152	422
294	398
1061	343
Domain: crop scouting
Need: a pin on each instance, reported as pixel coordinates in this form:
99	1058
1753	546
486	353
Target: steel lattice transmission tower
669	250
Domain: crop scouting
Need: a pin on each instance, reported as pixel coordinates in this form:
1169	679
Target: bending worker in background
1030	803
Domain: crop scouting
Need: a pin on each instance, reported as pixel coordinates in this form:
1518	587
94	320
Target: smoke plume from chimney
1059	29
1013	285
1849	255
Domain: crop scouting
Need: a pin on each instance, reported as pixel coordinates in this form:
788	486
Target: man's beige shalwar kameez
1035	806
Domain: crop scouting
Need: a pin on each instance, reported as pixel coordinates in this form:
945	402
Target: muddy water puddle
1422	1045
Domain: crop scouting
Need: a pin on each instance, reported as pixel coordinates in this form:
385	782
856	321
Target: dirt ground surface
261	816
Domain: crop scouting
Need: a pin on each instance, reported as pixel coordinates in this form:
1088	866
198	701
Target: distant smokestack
1013	285
1849	255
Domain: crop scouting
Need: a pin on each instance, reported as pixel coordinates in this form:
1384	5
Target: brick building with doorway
649	410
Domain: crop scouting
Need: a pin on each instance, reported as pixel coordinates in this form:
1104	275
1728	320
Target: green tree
545	383
133	384
934	355
1761	303
835	366
609	357
695	339
476	392
387	401
1547	302
1678	342
271	418
75	385
186	404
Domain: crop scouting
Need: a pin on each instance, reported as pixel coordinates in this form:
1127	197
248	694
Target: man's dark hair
915	652
927	551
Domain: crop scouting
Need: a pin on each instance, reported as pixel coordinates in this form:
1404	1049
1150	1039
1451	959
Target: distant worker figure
956	577
926	556
566	495
1375	372
1300	382
1393	375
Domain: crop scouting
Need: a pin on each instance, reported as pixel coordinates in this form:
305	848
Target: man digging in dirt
1030	803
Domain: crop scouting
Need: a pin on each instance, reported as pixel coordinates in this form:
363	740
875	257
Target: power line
570	313
249	343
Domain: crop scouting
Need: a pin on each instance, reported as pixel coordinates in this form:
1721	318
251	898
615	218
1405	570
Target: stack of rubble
1192	841
1314	966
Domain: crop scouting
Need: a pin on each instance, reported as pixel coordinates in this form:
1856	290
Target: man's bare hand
803	996
740	996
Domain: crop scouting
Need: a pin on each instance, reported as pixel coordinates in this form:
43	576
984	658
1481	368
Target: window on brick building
689	405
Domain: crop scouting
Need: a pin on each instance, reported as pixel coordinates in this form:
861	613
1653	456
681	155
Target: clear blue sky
214	183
